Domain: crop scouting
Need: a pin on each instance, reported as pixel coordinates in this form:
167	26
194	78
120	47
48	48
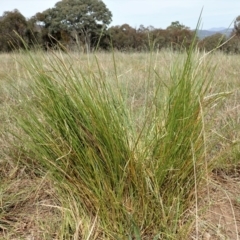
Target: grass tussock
125	158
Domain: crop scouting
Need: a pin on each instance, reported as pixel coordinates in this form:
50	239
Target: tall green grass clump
116	180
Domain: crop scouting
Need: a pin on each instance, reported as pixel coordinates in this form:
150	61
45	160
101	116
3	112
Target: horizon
215	13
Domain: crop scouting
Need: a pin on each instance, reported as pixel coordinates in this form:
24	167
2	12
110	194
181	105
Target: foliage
126	38
232	46
84	25
211	42
237	26
76	20
12	24
177	26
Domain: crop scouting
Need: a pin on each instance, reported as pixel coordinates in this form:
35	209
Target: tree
80	19
211	42
236	29
177	26
13	26
33	34
123	37
180	36
233	45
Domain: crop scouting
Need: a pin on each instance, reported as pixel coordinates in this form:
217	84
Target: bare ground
27	208
220	201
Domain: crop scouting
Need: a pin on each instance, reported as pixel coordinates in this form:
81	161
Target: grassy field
119	146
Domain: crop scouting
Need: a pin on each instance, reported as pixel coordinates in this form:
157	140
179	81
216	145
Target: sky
156	13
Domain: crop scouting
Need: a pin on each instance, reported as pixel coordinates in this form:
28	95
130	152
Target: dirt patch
25	211
220	218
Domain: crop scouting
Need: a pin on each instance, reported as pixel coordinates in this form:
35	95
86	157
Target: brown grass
29	208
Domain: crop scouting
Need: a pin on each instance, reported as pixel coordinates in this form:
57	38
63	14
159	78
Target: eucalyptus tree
76	19
177	26
13	26
180	37
233	44
212	42
236	29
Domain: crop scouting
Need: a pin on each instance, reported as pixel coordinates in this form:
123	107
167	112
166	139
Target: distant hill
219	29
206	33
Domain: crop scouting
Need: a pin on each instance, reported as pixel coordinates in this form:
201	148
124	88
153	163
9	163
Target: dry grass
29	207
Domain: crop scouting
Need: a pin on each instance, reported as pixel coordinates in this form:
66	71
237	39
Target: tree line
84	24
